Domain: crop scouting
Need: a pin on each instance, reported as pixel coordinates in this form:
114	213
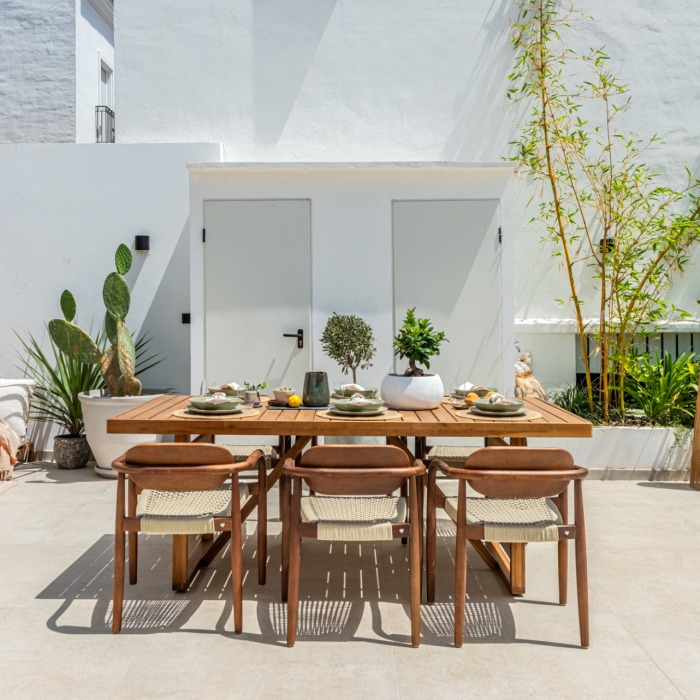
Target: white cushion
15	397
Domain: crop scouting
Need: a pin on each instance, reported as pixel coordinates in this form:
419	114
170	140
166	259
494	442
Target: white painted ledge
568	325
353	165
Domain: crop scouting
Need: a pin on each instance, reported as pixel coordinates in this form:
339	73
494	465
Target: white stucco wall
400	80
37	71
352	214
94	41
70	206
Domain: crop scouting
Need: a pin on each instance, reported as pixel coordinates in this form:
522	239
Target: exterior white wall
37	71
94	41
399	80
71	205
351	221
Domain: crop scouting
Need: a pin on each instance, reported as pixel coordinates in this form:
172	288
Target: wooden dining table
446	421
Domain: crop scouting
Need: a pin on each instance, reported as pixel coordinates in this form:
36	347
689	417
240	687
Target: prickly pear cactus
118	363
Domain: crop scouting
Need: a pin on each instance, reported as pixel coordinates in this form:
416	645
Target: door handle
299	335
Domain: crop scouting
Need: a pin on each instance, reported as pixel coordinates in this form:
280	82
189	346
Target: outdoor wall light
142	243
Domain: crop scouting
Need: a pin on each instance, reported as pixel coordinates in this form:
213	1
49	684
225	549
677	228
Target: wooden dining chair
352	487
179	489
525	493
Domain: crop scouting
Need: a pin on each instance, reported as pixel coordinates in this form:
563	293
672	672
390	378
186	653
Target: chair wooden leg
460	565
563	552
262	525
404	494
236	557
430	546
133	557
294	566
284	498
119	543
517	568
180	561
415	564
581	565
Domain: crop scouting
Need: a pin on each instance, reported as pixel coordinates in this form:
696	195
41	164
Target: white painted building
350	105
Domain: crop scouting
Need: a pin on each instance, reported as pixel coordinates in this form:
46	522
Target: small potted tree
414	390
349	340
117	364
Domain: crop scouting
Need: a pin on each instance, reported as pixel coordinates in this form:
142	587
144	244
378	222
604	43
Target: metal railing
104	124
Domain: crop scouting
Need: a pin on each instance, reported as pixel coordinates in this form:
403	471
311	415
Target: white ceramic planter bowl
106	447
412	393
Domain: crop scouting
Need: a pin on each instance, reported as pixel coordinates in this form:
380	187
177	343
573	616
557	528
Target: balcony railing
104	124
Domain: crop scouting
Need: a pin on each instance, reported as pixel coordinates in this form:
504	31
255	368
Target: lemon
294	400
471	396
489	394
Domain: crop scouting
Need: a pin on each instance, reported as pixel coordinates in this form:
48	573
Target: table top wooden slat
156	417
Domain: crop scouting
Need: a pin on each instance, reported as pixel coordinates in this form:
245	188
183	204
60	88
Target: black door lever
299	335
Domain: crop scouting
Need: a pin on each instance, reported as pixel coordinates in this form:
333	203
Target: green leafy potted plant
59	381
349	340
117	364
417	341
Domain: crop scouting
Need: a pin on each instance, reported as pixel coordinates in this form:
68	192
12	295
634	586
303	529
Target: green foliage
59	378
665	389
602	208
574	398
349	340
118	362
255	387
417	341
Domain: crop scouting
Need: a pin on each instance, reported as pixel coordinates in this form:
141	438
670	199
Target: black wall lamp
142	243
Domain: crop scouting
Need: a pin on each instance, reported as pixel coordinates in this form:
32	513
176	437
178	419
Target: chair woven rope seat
354	519
452	455
185	512
511	519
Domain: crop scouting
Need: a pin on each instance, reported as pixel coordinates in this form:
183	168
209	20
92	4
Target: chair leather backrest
523	472
177	454
354	456
333	460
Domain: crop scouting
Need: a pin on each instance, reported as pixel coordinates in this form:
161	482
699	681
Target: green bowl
512	407
345	405
202	404
367	393
480	392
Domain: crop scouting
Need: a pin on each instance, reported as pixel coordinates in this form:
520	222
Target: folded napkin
351	387
359	400
231	386
468	386
499	398
218	397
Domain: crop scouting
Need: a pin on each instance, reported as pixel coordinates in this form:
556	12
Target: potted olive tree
417	341
349	340
117	364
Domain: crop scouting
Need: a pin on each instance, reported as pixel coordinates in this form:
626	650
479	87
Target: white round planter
412	393
106	447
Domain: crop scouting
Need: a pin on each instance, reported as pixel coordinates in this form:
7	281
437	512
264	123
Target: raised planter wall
658	454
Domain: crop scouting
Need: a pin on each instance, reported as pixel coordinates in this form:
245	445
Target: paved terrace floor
55	611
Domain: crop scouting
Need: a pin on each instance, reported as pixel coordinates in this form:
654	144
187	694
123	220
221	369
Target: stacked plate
206	406
357	407
347	393
504	409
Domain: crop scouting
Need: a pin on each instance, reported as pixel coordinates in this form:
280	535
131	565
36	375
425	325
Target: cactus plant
118	362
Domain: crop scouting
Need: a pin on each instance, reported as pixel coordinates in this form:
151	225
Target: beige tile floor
55	603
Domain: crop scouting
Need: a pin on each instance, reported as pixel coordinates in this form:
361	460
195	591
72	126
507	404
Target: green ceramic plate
498	414
488	407
201	403
208	412
347	393
345	406
480	392
358	414
228	392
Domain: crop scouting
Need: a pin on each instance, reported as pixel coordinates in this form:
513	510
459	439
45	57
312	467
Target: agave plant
59	380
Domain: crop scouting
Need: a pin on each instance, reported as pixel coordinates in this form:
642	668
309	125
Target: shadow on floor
340	585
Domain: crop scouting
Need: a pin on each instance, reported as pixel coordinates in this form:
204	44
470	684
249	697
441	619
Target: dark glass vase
316	390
